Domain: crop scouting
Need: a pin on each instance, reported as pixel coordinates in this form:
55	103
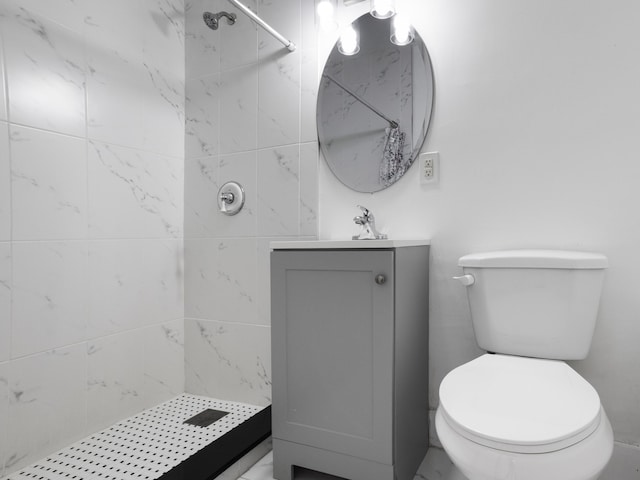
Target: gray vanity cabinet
350	361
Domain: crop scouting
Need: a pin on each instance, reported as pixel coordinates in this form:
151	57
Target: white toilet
520	412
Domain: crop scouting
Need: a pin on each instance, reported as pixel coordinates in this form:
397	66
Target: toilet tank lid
535	259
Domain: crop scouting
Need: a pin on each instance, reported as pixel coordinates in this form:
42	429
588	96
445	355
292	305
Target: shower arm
392	123
287	43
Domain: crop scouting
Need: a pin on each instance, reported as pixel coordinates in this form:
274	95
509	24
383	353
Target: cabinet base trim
287	455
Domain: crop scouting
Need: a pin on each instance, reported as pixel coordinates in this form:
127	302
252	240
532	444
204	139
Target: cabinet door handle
380	279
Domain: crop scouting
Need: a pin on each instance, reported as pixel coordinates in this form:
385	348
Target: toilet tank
535	303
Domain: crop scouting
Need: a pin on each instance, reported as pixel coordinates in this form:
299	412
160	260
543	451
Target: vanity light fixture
383	8
402	32
327	15
349	43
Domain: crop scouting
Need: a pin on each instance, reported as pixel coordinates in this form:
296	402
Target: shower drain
146	446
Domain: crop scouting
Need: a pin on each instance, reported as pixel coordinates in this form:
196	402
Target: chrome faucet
367	224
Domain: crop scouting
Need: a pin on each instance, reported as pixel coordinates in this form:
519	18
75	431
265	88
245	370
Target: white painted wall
536	120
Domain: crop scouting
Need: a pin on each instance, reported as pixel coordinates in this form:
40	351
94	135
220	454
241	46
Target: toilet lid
519	404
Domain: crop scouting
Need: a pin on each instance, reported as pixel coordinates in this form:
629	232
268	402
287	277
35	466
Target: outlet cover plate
429	164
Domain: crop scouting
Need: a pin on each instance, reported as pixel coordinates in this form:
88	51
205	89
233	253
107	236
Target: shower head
213	19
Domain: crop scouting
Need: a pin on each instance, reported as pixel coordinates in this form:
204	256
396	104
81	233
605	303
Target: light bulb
383	8
326	15
325	9
401	30
349	41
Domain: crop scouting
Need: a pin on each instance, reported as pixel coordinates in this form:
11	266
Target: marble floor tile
263	470
624	464
435	466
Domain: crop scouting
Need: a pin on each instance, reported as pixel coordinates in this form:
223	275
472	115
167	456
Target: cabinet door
332	350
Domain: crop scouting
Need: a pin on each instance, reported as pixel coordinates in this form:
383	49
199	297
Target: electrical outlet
429	167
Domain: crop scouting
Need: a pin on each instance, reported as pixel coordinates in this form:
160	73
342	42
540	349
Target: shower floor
156	444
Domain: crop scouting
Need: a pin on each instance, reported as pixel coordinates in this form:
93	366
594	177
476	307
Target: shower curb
215	458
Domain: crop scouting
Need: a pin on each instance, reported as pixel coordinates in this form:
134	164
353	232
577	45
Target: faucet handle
365	211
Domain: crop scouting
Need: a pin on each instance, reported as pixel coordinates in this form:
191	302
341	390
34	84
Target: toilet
519	412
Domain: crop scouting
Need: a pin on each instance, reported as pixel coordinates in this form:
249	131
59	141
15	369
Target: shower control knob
230	198
381	279
227	198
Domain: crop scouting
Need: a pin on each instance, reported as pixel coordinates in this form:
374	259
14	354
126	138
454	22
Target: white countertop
345	244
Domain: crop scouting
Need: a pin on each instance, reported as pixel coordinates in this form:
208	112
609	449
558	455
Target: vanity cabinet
349	329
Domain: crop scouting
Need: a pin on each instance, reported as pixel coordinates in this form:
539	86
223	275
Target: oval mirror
374	107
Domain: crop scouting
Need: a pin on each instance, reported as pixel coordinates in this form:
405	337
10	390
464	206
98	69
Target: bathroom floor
436	466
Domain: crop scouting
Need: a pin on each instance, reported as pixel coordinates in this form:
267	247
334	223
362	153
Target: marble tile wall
250	117
91	217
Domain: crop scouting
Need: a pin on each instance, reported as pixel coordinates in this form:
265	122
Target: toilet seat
519	404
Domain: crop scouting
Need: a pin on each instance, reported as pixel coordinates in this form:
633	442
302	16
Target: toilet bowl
504	417
522	413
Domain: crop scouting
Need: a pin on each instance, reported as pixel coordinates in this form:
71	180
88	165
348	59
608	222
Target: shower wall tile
308	30
3	91
49	185
200	258
238	43
47	404
278	191
238	109
115	26
309	196
230	358
5	301
263	276
68	13
235	283
143	34
309	73
202	43
278	121
200	196
163	42
4	412
49	306
133	283
163	361
308	96
115	378
204	176
92	145
266	109
5	184
284	16
45	65
135	104
221	281
133	193
203	112
241	168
